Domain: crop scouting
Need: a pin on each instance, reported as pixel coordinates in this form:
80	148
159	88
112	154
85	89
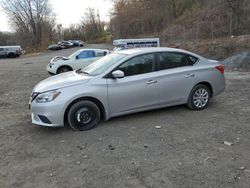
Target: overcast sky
69	11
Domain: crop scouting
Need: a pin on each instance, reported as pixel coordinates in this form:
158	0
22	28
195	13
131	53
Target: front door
84	59
138	90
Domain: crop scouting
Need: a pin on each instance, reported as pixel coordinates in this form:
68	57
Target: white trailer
136	43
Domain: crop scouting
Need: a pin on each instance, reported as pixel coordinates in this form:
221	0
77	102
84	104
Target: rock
80	147
158	127
242	168
111	147
145	146
227	143
133	162
78	162
85	156
237	177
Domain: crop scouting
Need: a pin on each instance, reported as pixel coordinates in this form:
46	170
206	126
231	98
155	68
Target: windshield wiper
79	71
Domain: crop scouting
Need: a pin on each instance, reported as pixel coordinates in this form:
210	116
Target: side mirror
118	74
77	57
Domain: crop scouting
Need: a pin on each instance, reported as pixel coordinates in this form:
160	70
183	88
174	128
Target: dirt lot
187	151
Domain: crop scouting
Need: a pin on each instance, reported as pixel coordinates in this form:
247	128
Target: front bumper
51	69
47	114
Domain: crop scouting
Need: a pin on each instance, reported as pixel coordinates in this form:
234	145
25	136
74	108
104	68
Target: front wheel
199	97
83	115
63	69
12	55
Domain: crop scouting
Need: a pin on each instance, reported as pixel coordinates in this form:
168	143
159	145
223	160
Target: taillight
220	68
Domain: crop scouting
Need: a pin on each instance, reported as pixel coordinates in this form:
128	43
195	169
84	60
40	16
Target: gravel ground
189	149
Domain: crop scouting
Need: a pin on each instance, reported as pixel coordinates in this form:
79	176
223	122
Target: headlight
47	97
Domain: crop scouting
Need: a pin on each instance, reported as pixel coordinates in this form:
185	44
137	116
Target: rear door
138	89
176	77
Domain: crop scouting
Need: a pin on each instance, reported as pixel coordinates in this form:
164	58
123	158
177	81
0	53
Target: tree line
183	19
35	26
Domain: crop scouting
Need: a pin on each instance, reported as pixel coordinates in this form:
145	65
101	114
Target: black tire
83	116
63	69
199	97
11	55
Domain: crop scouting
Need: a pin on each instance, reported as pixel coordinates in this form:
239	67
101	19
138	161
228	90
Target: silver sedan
126	82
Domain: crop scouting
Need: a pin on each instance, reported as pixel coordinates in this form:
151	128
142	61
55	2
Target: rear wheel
83	115
63	69
199	97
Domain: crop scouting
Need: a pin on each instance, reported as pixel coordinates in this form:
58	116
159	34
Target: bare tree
92	26
28	17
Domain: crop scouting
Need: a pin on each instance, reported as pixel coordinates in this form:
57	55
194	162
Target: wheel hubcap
84	115
200	98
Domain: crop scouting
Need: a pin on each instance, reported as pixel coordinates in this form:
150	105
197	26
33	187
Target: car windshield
103	64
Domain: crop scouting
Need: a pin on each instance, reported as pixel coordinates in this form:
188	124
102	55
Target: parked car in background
81	43
11	51
126	82
78	59
77	43
54	47
65	44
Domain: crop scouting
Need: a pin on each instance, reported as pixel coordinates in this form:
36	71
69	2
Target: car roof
94	49
15	46
137	51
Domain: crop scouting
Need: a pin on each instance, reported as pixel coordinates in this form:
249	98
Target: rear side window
169	60
100	54
1	49
138	65
86	54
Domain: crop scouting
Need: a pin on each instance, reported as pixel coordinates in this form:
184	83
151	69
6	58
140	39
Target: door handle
190	76
152	82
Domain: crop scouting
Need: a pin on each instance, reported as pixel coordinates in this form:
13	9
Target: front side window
138	65
1	49
169	60
86	54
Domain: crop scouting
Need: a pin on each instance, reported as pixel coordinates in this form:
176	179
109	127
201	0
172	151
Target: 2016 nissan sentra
126	82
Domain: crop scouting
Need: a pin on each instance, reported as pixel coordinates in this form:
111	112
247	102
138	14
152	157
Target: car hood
61	81
58	58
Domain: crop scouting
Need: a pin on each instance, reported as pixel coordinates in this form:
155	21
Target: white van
10	51
121	44
79	59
